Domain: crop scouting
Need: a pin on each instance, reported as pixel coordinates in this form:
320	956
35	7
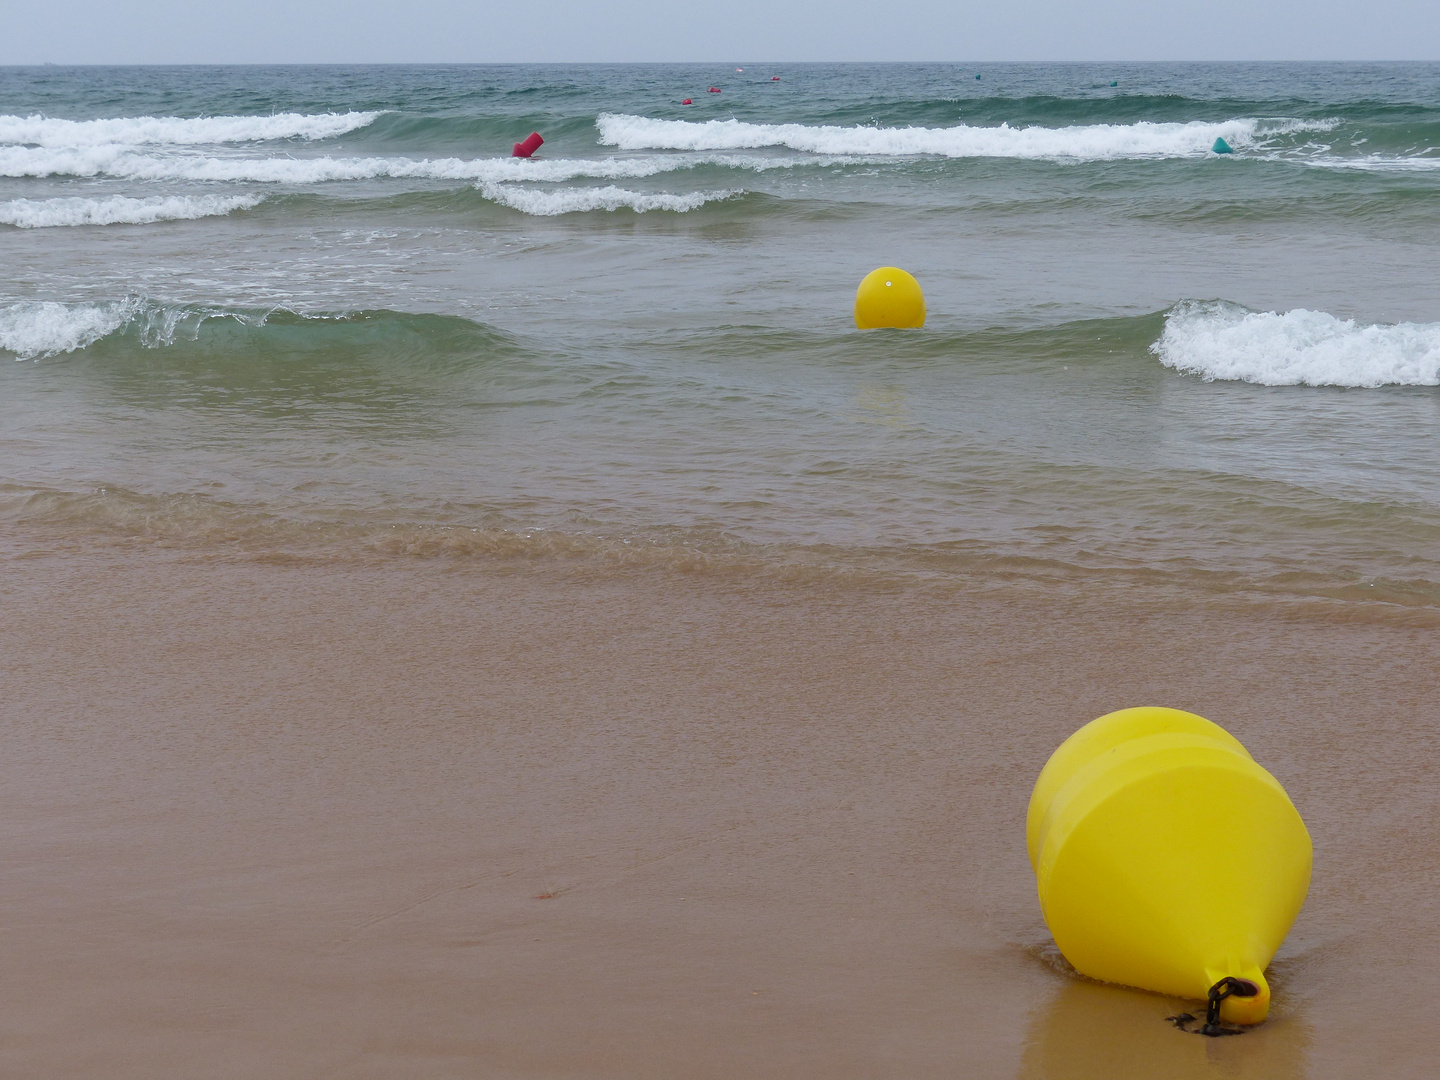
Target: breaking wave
1092	142
122	163
36	328
243	338
1382	163
1223	341
120	210
43	131
583	200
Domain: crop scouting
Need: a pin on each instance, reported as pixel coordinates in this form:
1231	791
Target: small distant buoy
977	76
687	101
738	70
528	147
889	297
1221	147
774	78
713	90
1114	82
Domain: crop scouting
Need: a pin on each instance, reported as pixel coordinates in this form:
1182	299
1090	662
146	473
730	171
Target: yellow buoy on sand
889	297
1167	859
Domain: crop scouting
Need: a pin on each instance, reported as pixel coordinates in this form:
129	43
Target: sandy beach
449	818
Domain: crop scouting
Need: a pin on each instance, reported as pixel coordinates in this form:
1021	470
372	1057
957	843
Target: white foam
583	200
119	162
1092	142
1216	340
120	210
37	328
1378	163
177	131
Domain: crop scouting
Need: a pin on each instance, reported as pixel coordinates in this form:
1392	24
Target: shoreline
198	530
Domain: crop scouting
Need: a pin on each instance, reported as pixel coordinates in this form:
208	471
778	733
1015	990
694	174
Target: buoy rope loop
1226	987
1218	993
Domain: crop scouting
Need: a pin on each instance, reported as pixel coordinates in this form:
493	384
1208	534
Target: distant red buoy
774	78
713	90
528	147
687	101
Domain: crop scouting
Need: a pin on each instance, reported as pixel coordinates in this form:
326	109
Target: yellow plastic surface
889	297
1165	857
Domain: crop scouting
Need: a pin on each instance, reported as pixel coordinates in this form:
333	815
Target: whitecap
44	131
542	203
1090	142
122	163
36	328
119	210
1380	163
1223	341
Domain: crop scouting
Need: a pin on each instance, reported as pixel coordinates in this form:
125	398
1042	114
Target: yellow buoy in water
1167	859
889	297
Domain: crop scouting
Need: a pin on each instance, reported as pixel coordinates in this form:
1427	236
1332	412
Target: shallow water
367	313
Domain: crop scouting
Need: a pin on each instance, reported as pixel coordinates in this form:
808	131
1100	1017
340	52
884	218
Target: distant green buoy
1114	82
1221	147
977	76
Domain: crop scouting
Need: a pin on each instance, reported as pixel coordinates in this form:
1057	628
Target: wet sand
424	819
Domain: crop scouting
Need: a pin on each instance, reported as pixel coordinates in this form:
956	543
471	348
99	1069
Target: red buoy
774	78
713	90
687	101
528	147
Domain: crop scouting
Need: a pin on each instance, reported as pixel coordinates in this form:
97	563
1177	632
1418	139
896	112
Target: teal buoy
1114	82
977	76
1221	147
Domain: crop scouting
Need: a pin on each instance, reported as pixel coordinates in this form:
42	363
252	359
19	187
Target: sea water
288	307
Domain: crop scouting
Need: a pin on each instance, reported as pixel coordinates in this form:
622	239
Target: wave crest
120	210
1223	341
1092	142
43	131
36	328
585	200
118	162
236	337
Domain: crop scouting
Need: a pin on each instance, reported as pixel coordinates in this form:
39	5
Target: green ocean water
296	306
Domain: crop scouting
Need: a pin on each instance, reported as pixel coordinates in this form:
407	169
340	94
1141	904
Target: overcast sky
417	31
